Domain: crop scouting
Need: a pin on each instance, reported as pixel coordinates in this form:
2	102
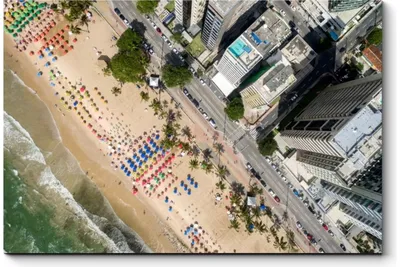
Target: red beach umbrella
75	40
39	52
31	53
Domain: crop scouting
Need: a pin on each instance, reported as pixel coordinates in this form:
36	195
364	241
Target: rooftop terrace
223	7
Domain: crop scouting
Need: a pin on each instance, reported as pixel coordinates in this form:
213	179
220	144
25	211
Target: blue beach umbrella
192	181
122	166
166	200
47	49
170	208
157	136
39	73
52	84
47	64
126	169
189	192
131	165
175	190
129	161
196	185
140	164
128	174
185	187
185	233
182	183
188	177
50	54
54	59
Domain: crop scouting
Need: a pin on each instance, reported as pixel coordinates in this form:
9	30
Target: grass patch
170	6
321	85
196	47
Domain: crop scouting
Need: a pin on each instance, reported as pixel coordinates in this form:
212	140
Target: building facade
338	133
189	12
361	201
343	5
220	15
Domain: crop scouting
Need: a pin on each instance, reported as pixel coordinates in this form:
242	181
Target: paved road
215	109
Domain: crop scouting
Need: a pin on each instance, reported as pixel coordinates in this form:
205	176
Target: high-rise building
183	12
343	5
338	133
362	200
261	39
220	15
189	12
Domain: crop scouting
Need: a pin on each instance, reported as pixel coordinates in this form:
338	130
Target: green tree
175	75
144	96
221	185
116	91
255	190
76	8
156	106
375	37
146	7
280	244
194	164
84	21
107	71
129	40
222	172
260	227
268	145
176	37
219	149
129	66
185	147
207	167
291	244
235	225
75	29
186	132
207	154
235	109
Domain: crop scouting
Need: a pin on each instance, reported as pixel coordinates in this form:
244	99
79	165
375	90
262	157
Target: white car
154	25
305	204
175	51
202	82
282	12
290	185
212	122
298	225
271	192
268	160
151	52
181	58
284	178
169	44
205	115
320	221
279	172
164	37
148	17
273	166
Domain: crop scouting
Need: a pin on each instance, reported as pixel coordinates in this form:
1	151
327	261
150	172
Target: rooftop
223	7
298	52
343	16
267	32
223	84
374	56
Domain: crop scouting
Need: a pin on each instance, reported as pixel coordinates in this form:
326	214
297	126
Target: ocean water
50	205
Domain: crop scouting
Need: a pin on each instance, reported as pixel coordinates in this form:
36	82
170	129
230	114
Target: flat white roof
223	84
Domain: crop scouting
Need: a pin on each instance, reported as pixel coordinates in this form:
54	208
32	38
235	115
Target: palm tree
165	104
116	91
207	154
222	171
75	29
285	216
195	151
144	96
186	132
235	225
291	244
273	232
255	190
280	244
156	106
84	21
185	147
219	148
220	185
193	164
171	116
236	199
179	115
260	227
257	213
207	167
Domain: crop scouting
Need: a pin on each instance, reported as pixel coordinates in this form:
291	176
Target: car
305	232
253	171
126	22
295	192
151	52
282	12
248	166
205	115
273	166
236	122
190	97
122	16
147	17
154	25
305	204
202	82
185	92
181	58
263	183
320	221
164	37
212	122
175	51
146	45
321	250
268	160
277	199
192	70
343	247
290	185
195	103
298	225
284	178
278	172
309	236
313	241
271	192
331	233
169	44
258	176
158	30
325	226
117	11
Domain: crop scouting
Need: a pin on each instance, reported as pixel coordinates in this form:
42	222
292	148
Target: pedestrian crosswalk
254	133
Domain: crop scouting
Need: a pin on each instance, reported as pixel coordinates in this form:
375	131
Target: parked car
305	232
258	176
195	103
282	12
284	178
305	204
263	183
185	92
273	166
343	247
309	236
277	199
175	51
325	226
295	192
248	166
212	122
320	221
169	44
205	115
278	172
164	37
181	58
202	82
192	70
331	233
151	52
147	17
146	45
313	241
126	22
158	30
190	97
321	250
117	11
122	17
290	185
298	224
154	25
272	193
268	160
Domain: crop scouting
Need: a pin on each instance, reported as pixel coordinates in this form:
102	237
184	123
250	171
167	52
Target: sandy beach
103	131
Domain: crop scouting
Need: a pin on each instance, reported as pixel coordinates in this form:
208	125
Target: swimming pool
238	48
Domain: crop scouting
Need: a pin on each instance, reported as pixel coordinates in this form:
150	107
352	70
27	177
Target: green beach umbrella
10	31
19	30
15	35
30	18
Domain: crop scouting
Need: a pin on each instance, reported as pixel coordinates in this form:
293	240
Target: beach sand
161	229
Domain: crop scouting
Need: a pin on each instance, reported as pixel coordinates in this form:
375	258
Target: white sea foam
19	80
